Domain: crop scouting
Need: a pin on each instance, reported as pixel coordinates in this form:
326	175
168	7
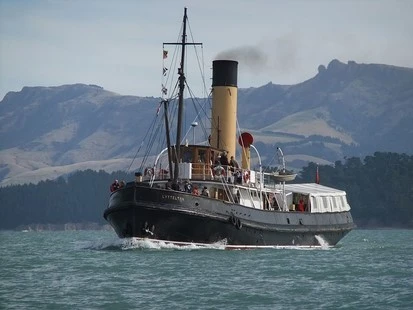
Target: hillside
345	110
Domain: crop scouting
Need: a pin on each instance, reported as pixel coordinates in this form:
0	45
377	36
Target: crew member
205	192
188	187
114	186
195	191
301	205
224	159
233	163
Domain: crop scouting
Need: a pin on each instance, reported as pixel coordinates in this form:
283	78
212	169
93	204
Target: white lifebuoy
219	170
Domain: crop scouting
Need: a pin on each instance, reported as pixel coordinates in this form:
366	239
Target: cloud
119	46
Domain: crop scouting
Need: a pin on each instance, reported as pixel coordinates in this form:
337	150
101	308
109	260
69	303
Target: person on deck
114	186
301	205
195	191
224	159
275	203
188	187
233	163
205	192
238	176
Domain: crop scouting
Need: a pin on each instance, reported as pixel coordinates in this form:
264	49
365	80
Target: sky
118	44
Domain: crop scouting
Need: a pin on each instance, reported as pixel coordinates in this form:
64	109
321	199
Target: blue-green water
369	269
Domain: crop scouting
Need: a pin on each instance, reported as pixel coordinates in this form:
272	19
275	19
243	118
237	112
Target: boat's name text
171	197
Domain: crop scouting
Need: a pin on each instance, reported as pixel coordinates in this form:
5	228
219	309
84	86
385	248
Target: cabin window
202	156
187	156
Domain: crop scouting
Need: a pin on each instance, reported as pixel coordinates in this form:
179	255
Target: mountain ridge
345	109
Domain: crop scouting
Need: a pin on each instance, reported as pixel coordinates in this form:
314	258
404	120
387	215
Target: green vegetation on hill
80	198
379	190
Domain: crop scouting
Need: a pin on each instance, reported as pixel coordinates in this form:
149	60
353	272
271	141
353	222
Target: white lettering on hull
172	197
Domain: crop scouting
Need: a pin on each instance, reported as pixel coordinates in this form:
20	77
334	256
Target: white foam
144	243
155	244
323	243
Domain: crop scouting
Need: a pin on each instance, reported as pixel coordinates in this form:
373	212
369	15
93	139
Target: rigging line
150	145
184	137
174	61
269	165
207	100
152	139
136	154
173	111
174	92
174	57
149	133
196	117
197	57
172	115
194	100
199	111
205	90
161	138
156	134
159	127
172	102
142	143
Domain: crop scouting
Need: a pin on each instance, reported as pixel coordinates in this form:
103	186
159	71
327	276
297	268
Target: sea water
368	269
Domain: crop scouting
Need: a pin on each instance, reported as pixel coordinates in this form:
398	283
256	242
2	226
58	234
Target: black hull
145	212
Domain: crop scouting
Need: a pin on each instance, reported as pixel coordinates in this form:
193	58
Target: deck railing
204	172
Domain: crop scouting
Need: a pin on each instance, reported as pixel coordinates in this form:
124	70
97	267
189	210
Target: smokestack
224	105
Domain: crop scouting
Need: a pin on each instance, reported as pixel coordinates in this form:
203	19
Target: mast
168	138
181	101
181	79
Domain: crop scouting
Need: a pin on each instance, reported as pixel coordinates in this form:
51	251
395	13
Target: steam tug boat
202	197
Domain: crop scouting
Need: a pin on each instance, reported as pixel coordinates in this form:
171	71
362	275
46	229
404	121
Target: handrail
261	176
154	166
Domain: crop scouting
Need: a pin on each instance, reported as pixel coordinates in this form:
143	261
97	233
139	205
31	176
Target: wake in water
152	244
142	244
136	243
